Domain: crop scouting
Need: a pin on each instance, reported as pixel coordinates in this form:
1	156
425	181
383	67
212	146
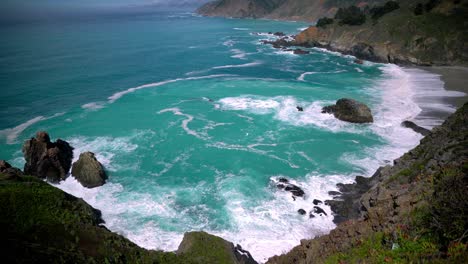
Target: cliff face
414	211
435	37
303	10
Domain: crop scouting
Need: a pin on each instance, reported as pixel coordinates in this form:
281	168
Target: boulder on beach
350	110
416	128
46	159
89	171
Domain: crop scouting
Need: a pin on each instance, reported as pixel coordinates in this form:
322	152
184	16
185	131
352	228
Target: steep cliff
412	212
303	10
412	34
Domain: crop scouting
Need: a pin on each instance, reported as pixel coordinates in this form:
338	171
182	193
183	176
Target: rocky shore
413	211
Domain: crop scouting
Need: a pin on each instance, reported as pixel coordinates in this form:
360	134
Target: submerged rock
284	184
316	202
301	211
300	52
416	128
300	108
350	110
212	249
89	171
358	61
45	159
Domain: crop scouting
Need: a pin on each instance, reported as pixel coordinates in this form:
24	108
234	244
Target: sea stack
89	171
350	110
46	159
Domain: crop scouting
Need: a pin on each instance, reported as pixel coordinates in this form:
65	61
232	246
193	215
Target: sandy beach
455	78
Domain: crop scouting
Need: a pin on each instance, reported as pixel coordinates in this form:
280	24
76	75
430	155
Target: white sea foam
11	134
250	64
229	43
239	54
284	108
93	106
185	122
274	226
301	78
118	95
241	29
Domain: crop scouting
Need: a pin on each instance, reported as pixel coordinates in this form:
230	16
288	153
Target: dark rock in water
311	215
283	180
8	171
89	171
284	184
279	34
319	211
334	193
301	211
295	190
301	52
350	110
316	202
300	109
358	61
212	249
45	159
280	186
416	128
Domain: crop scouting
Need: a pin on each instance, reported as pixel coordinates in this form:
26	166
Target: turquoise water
194	120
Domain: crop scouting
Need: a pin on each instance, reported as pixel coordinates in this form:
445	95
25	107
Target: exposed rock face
350	110
416	128
45	159
400	36
89	171
8	171
213	249
394	197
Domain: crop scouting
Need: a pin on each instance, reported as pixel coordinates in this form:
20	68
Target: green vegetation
351	15
322	22
379	11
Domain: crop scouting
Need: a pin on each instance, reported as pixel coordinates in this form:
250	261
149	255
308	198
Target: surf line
118	95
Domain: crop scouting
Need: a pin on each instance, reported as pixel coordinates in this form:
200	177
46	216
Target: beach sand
455	79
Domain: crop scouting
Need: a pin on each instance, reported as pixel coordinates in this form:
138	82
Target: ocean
195	120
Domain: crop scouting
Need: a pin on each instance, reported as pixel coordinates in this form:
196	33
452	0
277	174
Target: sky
37	9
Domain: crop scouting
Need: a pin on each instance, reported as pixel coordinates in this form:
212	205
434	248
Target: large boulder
8	171
415	128
202	247
350	110
46	159
89	171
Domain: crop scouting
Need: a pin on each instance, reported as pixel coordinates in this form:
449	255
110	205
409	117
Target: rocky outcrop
350	110
400	36
46	159
415	128
417	200
8	171
89	171
212	249
284	184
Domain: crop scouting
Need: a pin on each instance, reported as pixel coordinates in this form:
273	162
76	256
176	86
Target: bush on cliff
352	15
322	22
380	11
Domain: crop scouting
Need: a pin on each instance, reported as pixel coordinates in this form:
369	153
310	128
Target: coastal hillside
43	224
415	32
305	10
412	212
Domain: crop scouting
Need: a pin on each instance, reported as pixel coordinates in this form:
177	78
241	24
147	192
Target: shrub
379	11
431	4
352	15
419	9
322	22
